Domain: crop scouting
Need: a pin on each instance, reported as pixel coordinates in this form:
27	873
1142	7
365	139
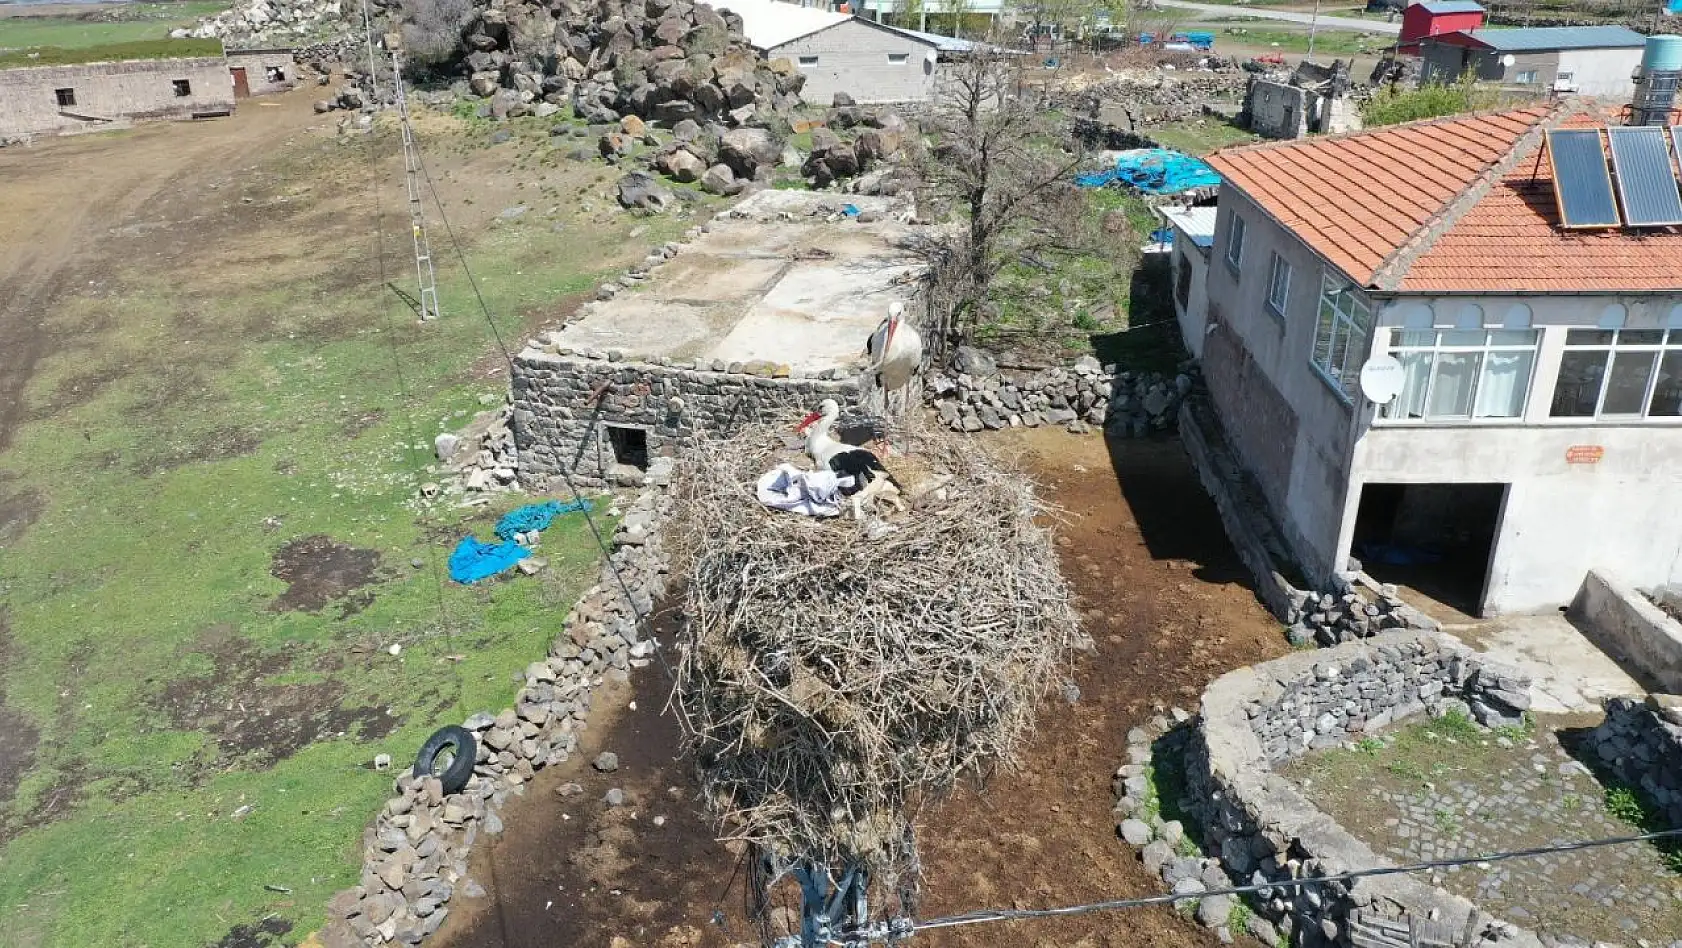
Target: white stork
870	481
896	353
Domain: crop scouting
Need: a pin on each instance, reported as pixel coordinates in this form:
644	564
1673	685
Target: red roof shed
1433	17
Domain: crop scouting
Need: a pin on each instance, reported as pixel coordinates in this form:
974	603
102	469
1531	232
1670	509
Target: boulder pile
664	61
257	23
415	854
982	396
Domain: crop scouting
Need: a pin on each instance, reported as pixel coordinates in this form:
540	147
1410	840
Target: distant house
261	71
1433	18
1514	281
92	94
1590	60
839	52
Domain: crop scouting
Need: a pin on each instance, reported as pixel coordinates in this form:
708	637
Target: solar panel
1581	183
1646	183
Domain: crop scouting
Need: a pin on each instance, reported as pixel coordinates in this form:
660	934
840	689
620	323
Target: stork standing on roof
896	354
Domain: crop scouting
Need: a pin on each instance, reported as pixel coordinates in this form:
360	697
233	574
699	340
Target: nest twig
829	681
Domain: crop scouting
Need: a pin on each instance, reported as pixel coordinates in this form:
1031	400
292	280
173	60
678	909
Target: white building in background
1536	328
840	52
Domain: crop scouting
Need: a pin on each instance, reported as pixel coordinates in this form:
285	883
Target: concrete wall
111	92
1193	314
258	62
1634	628
558	428
853	57
1287	423
1602	72
1278	109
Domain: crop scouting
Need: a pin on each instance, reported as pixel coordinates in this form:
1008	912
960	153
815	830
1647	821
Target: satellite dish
1508	60
1382	379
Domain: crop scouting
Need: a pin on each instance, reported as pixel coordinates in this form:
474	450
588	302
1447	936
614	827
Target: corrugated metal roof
1452	6
769	24
1197	223
946	44
1544	38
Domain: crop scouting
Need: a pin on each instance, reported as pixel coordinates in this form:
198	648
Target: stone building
1312	100
52	100
758	319
261	71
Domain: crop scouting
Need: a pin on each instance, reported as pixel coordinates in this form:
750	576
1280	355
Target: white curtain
1506	379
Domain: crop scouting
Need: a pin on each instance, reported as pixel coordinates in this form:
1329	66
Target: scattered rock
606	762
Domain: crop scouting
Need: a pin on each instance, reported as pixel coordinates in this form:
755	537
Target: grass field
1261	32
205	730
125	24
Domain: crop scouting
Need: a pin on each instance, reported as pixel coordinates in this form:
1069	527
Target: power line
1014	915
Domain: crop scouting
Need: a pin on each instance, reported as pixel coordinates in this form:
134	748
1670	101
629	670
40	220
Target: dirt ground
1165	600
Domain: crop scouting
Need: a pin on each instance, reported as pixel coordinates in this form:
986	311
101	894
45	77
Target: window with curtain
1340	335
1620	373
1453	374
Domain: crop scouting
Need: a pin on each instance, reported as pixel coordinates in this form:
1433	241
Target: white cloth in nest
811	493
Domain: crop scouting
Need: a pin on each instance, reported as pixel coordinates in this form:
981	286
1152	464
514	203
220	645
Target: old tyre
448	755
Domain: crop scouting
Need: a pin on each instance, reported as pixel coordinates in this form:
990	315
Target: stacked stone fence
1640	742
1259	829
980	395
415	853
1354	607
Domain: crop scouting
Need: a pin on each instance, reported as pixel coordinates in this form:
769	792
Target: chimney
1656	81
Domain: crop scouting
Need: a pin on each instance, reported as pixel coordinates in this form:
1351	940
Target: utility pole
428	309
1313	26
373	64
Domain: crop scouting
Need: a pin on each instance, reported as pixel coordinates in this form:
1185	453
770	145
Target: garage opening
1433	539
630	446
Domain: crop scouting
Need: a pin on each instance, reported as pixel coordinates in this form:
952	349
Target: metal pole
1313	26
373	67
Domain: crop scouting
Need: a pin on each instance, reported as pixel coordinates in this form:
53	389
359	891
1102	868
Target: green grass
110	52
1328	42
1202	136
1628	805
112	591
128	23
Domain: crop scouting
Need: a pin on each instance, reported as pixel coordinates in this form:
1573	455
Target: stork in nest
870	480
895	350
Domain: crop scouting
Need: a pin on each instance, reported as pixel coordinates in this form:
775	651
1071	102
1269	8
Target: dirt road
1165	601
72	203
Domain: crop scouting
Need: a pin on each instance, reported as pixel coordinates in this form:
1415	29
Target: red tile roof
1456	204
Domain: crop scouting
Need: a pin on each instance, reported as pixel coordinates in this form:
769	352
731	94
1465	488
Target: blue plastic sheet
1155	171
535	516
473	560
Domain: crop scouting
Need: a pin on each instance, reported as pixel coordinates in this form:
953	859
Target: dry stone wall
1641	743
1258	829
979	396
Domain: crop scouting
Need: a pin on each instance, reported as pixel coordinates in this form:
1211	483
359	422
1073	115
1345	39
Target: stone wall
1641	743
563	415
1259	829
980	395
109	93
415	853
267	71
1631	626
1354	608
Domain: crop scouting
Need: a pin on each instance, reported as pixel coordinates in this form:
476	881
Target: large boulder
643	191
681	165
874	144
746	150
719	179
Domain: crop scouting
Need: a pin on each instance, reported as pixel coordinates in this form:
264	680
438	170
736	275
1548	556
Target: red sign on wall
1584	454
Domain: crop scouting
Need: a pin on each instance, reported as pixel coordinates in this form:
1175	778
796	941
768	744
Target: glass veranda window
1462	373
1621	373
1340	335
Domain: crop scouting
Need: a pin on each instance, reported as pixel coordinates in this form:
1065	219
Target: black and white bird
870	480
895	350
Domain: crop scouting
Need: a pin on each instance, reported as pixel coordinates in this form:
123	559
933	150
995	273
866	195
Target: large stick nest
831	681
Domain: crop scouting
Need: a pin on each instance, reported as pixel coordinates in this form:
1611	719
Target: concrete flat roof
776	280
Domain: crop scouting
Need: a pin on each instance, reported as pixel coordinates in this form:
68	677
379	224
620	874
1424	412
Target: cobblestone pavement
1436	792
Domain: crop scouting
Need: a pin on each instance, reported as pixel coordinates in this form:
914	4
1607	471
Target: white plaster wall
1602	72
853	58
1194	316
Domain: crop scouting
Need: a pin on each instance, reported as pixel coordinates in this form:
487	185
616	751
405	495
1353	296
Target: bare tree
432	28
1000	166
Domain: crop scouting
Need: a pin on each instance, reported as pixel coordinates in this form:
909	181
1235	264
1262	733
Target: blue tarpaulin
1155	171
473	560
535	516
